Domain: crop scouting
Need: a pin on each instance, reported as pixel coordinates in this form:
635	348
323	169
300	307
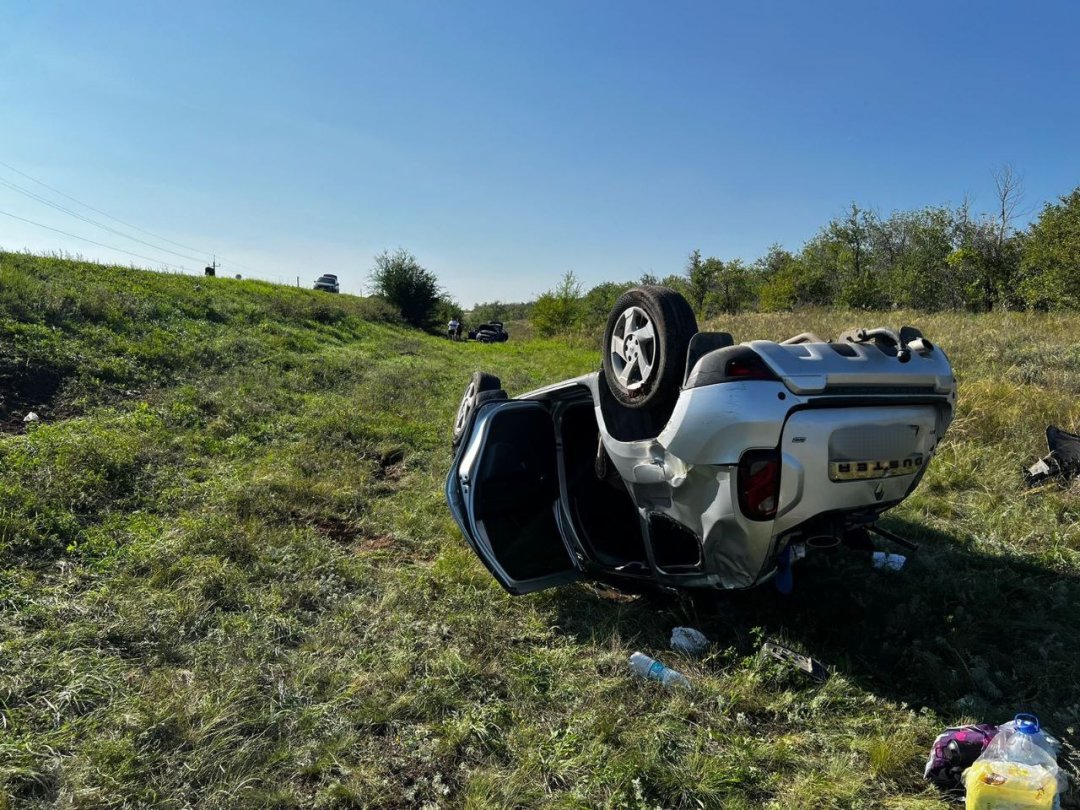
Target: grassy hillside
228	577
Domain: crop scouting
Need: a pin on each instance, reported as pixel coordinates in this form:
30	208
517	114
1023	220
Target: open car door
504	493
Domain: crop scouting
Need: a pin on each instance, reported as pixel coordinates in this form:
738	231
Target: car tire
645	343
482	388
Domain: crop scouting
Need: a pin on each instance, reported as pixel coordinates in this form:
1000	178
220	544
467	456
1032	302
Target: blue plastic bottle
652	669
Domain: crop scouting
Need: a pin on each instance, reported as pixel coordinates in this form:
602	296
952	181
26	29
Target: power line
99	244
227	263
99	211
58	207
77	215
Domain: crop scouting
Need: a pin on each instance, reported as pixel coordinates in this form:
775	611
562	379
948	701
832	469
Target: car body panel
814	368
815	439
716	424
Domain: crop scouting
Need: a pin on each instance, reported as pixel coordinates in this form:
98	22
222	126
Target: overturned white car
690	461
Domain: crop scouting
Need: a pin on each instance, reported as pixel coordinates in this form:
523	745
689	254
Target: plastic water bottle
652	669
1036	733
1017	770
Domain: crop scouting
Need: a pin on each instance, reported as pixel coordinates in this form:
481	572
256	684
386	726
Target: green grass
228	577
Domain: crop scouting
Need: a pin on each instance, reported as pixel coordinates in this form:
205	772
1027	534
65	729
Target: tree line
931	259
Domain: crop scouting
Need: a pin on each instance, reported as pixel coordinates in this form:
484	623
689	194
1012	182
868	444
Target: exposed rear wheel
645	345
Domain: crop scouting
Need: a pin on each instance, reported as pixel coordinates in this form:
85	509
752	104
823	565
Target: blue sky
505	143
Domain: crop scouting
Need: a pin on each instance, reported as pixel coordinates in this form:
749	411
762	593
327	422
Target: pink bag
953	752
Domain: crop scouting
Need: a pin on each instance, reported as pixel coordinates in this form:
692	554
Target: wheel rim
467	403
633	349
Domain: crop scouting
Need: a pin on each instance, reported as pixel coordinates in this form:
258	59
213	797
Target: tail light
730	364
748	366
759	483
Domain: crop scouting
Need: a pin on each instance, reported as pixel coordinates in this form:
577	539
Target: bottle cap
1026	723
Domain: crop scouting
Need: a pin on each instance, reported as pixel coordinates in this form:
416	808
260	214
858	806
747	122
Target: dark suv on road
327	282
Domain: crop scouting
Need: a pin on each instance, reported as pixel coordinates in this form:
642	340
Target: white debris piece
889	562
689	641
31	417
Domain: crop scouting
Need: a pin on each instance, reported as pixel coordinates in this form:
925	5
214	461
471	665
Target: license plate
874	468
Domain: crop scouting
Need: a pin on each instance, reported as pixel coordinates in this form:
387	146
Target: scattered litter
689	641
1062	462
31	417
813	668
889	562
1017	769
650	668
954	751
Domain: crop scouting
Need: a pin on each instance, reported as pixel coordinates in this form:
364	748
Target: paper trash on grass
804	663
1061	463
689	641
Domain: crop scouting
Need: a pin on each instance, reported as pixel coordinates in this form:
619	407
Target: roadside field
228	577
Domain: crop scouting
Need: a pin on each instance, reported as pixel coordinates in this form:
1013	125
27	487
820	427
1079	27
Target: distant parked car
490	332
327	282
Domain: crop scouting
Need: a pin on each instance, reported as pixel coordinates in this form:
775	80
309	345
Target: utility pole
211	269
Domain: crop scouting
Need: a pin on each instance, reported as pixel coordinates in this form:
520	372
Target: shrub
400	279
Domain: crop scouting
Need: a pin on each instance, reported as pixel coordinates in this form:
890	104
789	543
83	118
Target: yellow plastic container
997	785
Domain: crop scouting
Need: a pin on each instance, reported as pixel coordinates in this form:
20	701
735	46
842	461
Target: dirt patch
379	543
345	533
26	389
390	466
336	529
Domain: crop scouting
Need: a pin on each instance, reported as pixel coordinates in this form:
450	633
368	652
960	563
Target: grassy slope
228	578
